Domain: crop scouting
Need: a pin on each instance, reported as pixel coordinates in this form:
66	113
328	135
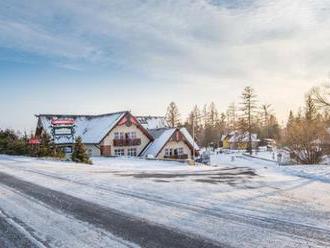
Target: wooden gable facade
127	138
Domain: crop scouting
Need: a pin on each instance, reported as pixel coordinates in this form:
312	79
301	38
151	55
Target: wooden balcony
177	157
126	142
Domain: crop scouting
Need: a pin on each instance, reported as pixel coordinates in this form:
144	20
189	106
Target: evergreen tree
79	153
211	134
266	111
274	130
248	108
232	117
212	115
46	147
310	109
291	119
221	127
173	115
205	116
194	118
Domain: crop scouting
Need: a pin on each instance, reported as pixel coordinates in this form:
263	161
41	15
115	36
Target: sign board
68	149
62	131
62	122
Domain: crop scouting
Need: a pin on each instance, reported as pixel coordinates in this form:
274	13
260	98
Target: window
131	135
131	152
180	151
168	151
119	135
119	152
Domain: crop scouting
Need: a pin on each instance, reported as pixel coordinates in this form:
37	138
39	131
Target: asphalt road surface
138	231
11	237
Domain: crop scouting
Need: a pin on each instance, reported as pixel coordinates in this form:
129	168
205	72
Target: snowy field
240	202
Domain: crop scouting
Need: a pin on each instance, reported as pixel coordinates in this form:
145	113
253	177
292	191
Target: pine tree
221	127
173	115
212	114
79	154
194	118
264	122
248	108
46	147
291	119
274	130
310	109
232	117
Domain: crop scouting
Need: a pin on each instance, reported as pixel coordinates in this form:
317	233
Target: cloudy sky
99	56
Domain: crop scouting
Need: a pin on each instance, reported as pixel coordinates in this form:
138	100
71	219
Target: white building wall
108	141
93	150
175	145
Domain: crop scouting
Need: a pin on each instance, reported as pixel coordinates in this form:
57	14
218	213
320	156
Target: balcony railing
181	156
126	142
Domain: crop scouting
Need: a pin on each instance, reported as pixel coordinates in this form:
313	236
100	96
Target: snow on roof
189	138
152	122
161	137
238	137
91	128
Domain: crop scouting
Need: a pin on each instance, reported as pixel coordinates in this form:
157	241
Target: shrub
79	153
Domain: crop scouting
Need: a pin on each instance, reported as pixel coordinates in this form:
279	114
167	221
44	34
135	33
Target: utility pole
193	133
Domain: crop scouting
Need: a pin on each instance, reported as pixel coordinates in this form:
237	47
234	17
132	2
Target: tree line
13	143
305	136
248	116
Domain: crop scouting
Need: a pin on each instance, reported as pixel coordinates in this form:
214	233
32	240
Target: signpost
63	130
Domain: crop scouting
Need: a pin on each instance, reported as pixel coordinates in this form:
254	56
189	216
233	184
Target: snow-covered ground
236	202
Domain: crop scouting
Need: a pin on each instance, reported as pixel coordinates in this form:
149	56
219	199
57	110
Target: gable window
180	151
119	152
119	135
131	135
168	151
131	152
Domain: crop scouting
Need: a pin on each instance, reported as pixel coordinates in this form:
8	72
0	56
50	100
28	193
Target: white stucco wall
175	145
139	134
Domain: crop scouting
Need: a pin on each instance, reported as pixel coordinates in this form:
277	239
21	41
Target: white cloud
271	44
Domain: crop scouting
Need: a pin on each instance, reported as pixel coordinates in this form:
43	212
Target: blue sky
101	56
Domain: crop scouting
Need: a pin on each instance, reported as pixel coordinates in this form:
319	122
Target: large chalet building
120	134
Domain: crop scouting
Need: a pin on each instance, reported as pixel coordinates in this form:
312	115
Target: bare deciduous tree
306	136
173	115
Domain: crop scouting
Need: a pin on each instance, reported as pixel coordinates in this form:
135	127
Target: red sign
64	122
34	141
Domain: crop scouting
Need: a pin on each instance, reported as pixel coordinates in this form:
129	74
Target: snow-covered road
127	202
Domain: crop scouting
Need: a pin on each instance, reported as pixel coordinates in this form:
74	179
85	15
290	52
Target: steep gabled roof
162	136
91	128
152	122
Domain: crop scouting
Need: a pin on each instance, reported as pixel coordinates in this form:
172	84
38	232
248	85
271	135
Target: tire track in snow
13	234
136	230
287	228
